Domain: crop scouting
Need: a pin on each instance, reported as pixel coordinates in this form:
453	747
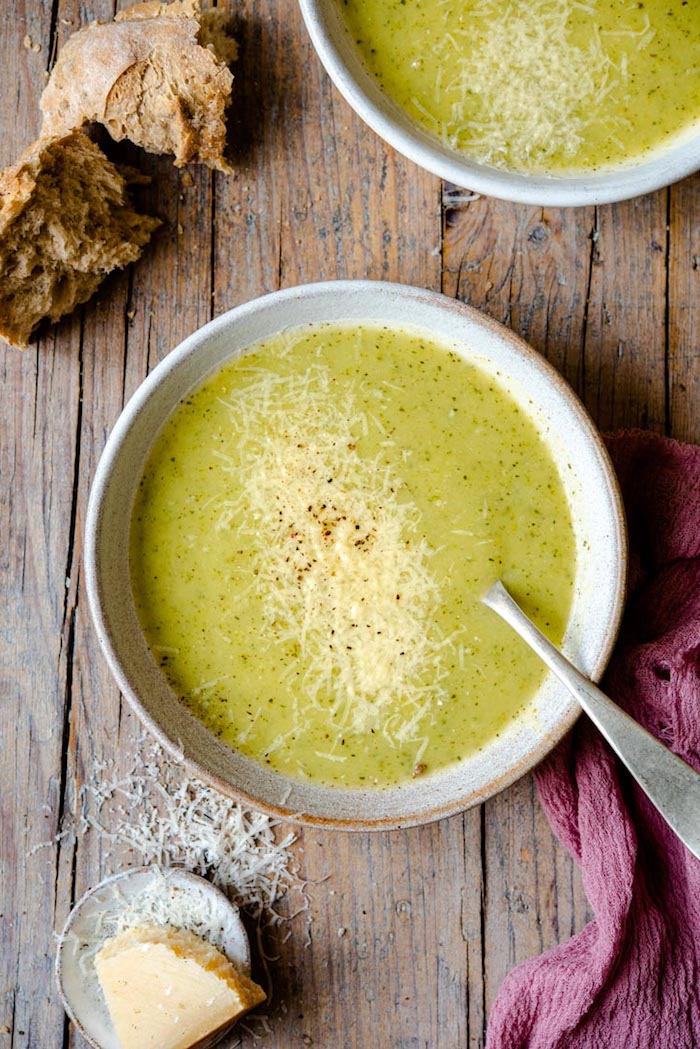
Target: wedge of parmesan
166	988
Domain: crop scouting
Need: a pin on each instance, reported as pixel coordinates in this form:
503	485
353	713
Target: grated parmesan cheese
162	904
339	557
157	814
534	90
536	85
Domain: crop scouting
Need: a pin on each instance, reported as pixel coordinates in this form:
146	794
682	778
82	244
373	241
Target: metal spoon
671	784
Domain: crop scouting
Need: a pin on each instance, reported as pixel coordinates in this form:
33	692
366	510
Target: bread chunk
65	223
157	75
213	24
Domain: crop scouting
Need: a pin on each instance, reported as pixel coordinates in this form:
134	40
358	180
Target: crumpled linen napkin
631	978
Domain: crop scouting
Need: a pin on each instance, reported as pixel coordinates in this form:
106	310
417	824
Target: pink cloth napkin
631	979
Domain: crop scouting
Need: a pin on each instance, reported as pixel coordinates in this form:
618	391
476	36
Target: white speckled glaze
591	489
343	63
79	988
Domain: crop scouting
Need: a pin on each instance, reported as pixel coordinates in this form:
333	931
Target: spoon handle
671	784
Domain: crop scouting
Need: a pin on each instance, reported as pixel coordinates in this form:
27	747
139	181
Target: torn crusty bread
65	223
157	76
213	24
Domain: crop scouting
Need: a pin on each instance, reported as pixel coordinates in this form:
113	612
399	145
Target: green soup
312	535
558	86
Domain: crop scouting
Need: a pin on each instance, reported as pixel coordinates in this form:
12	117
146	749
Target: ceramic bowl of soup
290	532
544	103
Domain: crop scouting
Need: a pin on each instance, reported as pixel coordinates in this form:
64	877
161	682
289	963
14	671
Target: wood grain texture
625	349
683	306
412	932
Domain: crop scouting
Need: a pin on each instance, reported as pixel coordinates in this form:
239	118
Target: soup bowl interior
590	487
343	63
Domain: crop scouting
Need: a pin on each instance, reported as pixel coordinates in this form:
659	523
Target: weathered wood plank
684	310
40	425
625	344
37	472
70	390
526	267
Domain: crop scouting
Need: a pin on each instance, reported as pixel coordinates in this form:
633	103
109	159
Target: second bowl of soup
546	102
290	533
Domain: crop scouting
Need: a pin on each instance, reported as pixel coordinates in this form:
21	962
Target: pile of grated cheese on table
155	813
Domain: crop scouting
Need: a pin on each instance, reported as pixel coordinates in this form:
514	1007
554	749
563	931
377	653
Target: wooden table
436	916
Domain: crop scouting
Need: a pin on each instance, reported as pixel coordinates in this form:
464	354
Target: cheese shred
339	560
154	813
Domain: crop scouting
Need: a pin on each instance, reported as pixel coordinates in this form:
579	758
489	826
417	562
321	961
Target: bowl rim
386	118
110	455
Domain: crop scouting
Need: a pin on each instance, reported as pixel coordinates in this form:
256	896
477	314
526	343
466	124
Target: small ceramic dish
590	487
96	916
343	63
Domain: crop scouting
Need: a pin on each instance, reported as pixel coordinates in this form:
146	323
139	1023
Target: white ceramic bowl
342	60
585	471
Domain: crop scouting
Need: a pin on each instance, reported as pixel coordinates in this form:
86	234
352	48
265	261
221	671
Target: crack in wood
535	859
127	309
594	237
36	386
484	905
279	249
212	249
68	573
71	596
441	192
148	343
667	317
65	747
53	35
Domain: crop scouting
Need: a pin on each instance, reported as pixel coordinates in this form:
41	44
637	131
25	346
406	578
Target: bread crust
145	77
65	223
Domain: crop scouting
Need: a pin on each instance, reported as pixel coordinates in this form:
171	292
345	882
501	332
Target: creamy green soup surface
555	86
312	535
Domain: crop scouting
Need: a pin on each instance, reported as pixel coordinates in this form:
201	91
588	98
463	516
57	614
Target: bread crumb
30	44
214	34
